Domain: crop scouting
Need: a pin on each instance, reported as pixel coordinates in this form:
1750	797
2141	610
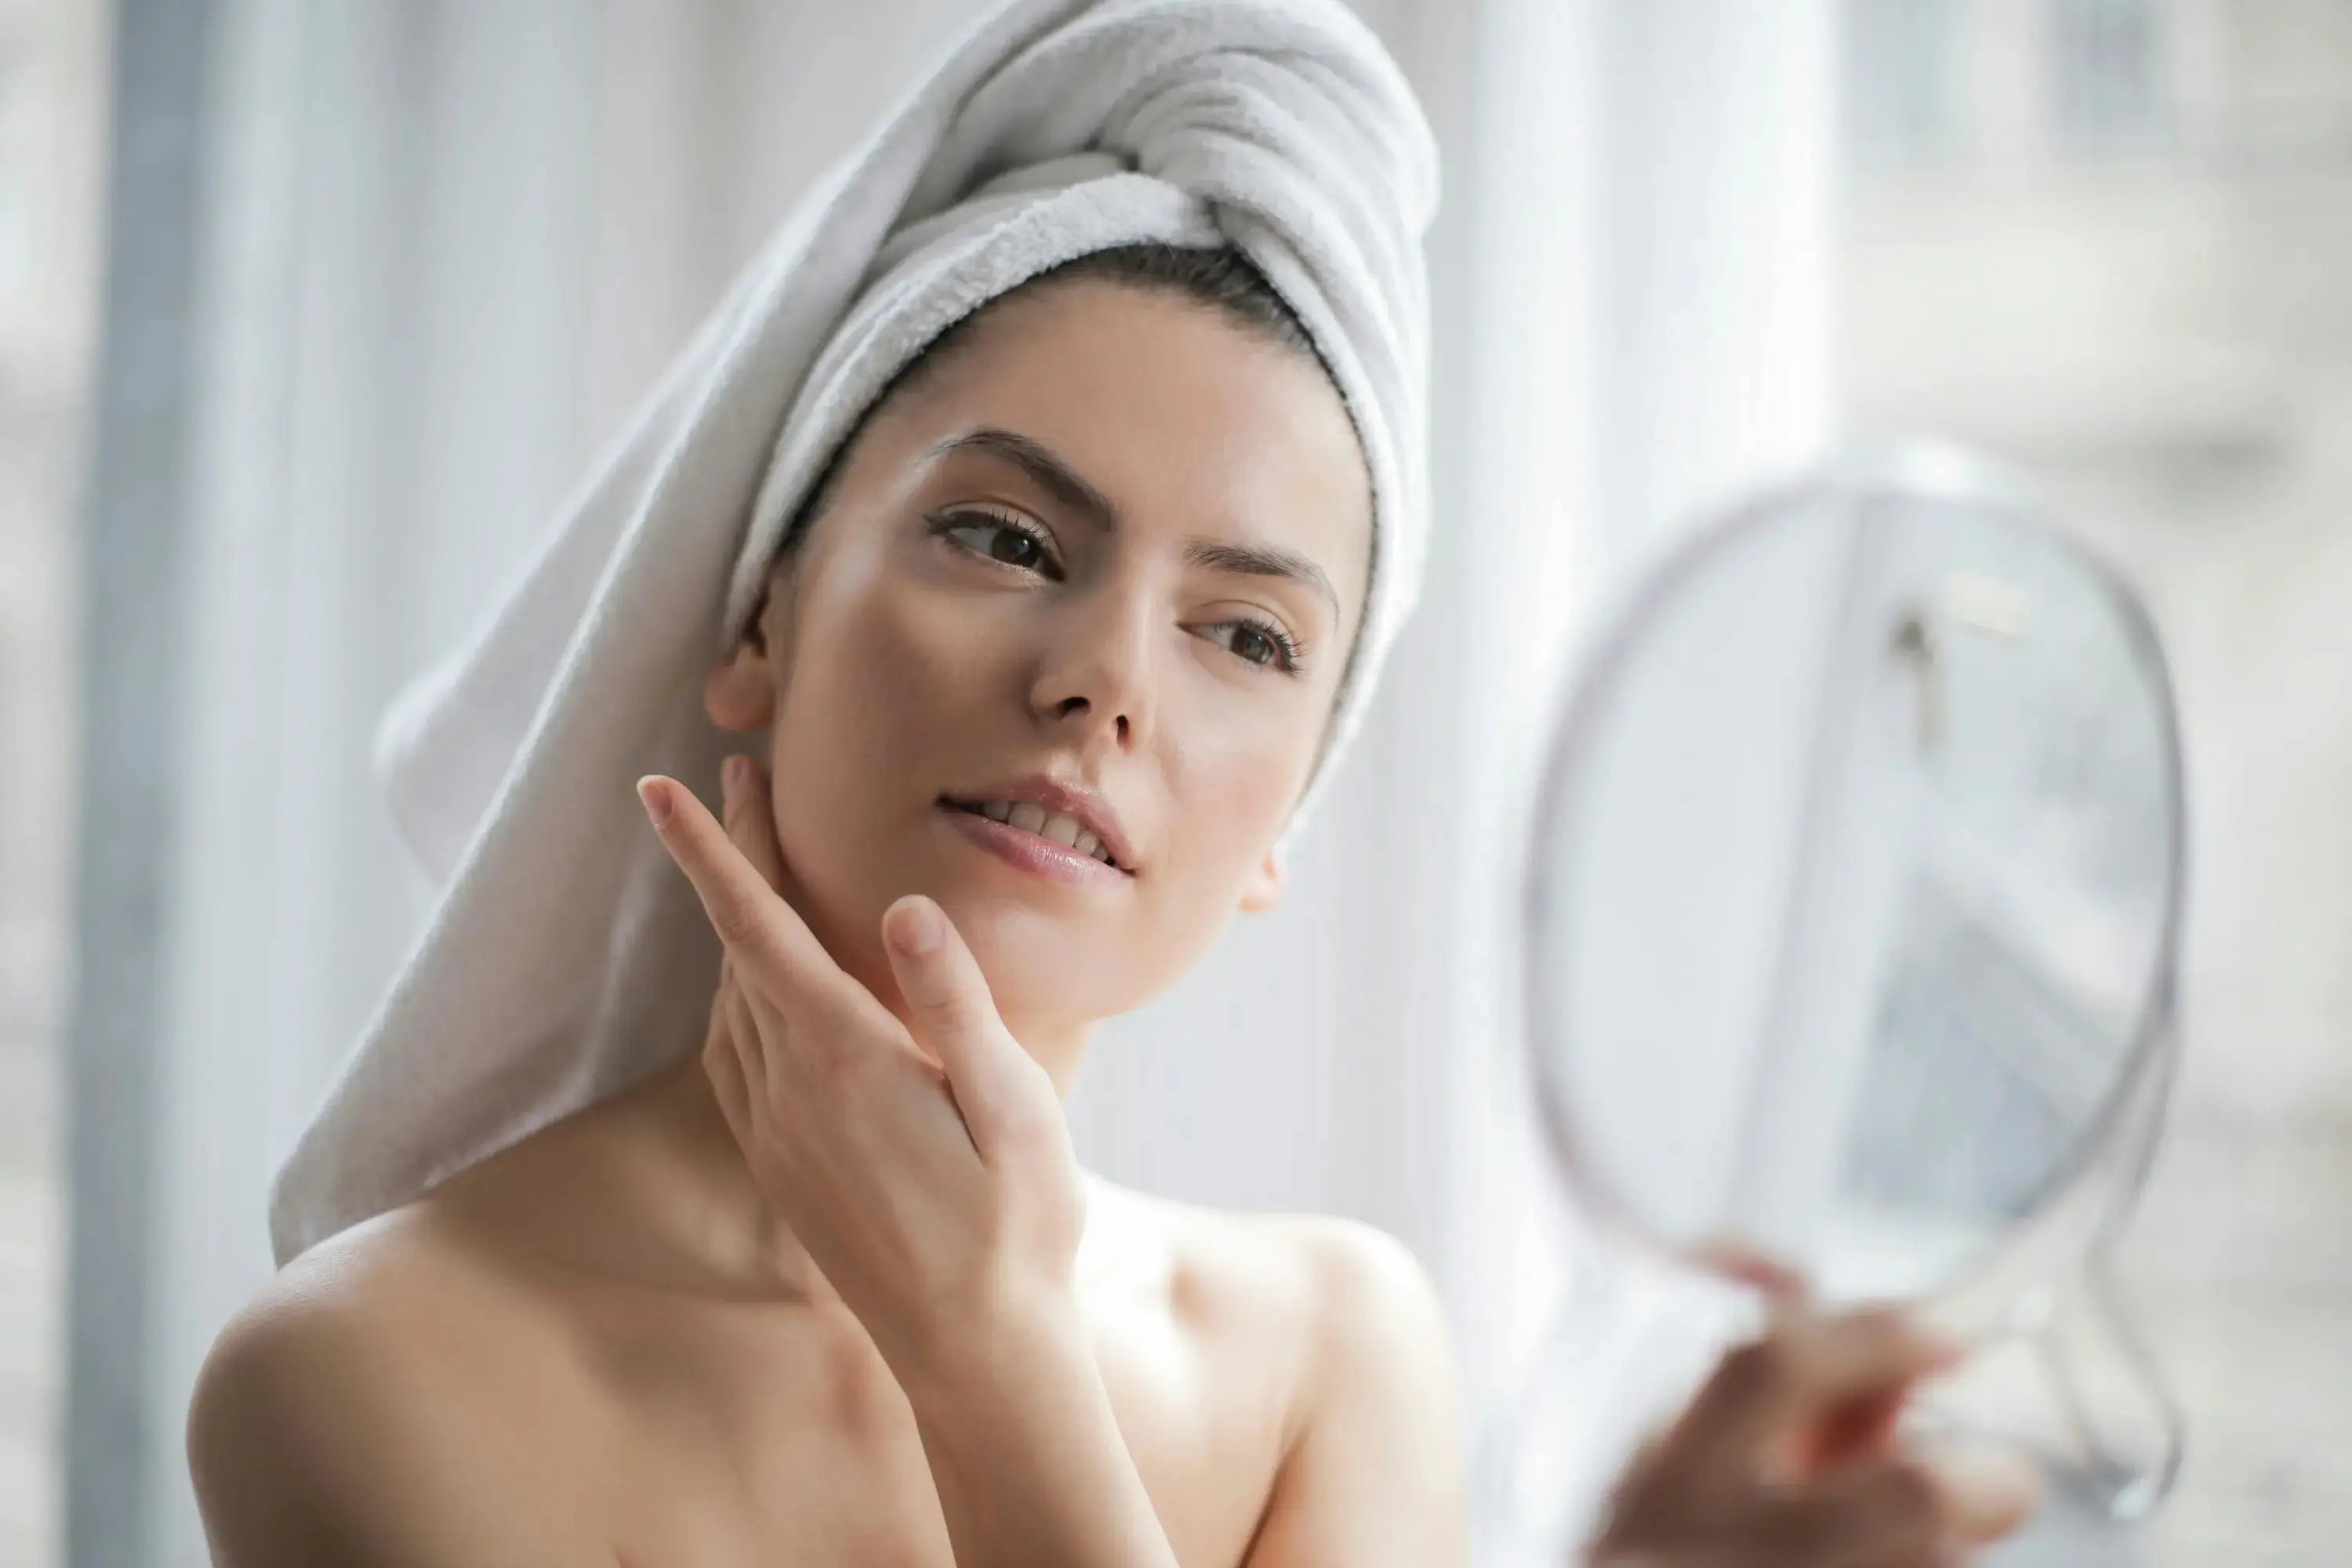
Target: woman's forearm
1026	1450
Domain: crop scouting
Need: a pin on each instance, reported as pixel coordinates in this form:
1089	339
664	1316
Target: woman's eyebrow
1041	463
1076	492
1260	560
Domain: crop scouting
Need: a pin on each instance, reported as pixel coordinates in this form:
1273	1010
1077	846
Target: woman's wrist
1024	1448
1003	1336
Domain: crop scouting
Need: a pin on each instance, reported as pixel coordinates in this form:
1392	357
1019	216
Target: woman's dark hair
1219	277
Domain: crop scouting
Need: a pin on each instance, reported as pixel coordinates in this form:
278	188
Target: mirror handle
2130	1480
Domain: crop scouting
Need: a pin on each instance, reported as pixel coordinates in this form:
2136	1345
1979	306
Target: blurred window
2106	76
1906	92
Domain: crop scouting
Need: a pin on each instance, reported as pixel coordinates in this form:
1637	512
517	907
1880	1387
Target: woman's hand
935	1192
1788	1458
938	1194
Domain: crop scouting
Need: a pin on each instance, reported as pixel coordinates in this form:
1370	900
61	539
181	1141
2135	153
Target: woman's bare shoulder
400	1284
1336	1286
339	1412
1371	1450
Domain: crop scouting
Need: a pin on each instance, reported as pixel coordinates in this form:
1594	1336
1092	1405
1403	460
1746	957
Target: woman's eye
1000	540
1259	643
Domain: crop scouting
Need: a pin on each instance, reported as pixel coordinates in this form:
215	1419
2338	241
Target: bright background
312	311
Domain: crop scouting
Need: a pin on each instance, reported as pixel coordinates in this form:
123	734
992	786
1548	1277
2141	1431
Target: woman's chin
1044	970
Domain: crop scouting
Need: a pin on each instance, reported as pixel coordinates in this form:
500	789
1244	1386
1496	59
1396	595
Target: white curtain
1646	269
447	244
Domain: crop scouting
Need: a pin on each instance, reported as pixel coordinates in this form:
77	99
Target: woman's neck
1060	1050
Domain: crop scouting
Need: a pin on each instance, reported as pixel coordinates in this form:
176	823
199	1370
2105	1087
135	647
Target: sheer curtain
443	246
1649	277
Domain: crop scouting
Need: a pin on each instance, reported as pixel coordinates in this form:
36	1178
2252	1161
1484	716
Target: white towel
567	958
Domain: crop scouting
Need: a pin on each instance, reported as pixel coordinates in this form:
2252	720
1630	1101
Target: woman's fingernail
731	773
919	928
655	799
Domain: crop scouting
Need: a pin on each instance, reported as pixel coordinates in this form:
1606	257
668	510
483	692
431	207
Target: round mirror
1855	891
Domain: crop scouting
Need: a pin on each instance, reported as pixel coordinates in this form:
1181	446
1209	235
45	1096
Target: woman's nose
1094	683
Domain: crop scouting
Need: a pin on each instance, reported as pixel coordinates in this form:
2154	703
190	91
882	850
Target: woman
1058	626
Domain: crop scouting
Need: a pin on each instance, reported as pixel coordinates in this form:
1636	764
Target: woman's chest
719	1447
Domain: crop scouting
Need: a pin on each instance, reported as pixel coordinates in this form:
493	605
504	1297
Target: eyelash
1288	653
949	523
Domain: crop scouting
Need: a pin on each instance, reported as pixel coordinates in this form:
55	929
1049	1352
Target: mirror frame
1899	471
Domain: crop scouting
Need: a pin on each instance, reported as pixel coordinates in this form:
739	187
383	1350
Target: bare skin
589	1349
834	1291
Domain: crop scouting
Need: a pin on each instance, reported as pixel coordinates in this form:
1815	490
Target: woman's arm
1025	1450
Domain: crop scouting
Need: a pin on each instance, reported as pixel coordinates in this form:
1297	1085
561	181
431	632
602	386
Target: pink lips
1031	852
1087	806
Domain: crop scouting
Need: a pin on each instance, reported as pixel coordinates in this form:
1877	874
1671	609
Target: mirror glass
1854	884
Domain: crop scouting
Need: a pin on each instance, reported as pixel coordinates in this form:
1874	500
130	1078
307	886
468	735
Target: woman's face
1112	541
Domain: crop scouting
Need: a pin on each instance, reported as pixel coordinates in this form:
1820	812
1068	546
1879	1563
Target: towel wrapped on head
566	959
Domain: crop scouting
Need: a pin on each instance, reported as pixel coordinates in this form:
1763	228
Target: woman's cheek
1261	774
1233	812
943	652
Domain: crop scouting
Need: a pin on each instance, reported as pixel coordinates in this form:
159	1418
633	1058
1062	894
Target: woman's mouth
1053	844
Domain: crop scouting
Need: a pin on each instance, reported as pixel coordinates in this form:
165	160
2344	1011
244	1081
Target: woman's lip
1033	853
1089	804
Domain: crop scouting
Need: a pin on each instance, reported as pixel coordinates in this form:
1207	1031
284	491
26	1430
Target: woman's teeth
1031	818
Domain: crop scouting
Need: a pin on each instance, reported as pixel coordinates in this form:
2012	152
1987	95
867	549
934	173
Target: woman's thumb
953	1015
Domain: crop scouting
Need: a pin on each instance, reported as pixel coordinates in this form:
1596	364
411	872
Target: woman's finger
752	818
955	1016
1767	1397
774	947
1889	1513
740	811
1854	1355
721	1061
1986	1493
751	1048
1785	1287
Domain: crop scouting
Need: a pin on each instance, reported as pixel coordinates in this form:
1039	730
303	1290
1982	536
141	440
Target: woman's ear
1263	888
740	693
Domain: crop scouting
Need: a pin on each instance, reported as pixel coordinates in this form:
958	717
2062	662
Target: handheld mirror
1854	892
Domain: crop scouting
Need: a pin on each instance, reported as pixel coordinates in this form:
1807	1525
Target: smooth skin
833	1289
